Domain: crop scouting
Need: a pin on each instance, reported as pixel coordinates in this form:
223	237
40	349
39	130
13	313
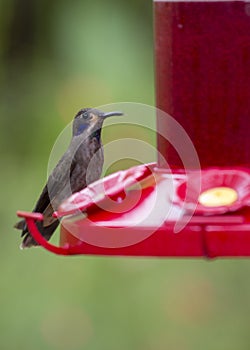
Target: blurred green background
55	57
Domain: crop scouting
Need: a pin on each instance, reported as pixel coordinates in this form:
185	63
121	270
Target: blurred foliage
55	57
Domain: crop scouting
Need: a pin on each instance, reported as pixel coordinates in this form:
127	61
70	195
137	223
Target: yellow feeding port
218	196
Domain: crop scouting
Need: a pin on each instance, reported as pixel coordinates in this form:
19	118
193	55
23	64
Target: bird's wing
56	189
43	201
59	180
71	171
56	182
41	205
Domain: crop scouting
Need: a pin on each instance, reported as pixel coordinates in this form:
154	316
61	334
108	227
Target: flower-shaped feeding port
222	191
112	187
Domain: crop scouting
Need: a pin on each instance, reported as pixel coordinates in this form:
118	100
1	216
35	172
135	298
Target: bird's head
90	119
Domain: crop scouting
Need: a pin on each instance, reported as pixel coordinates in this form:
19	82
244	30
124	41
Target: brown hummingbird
80	165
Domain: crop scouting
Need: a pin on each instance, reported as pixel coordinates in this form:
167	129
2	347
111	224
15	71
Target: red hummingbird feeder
202	55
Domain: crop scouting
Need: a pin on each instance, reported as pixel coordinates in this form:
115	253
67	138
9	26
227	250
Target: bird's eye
85	115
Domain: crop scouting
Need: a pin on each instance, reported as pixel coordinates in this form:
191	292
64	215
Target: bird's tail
28	240
20	225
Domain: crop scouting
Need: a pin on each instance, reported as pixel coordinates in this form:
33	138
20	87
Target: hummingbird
79	166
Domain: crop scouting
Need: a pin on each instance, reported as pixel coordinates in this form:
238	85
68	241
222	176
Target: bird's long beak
111	114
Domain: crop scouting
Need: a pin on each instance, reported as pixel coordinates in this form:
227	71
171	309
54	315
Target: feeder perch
202	55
